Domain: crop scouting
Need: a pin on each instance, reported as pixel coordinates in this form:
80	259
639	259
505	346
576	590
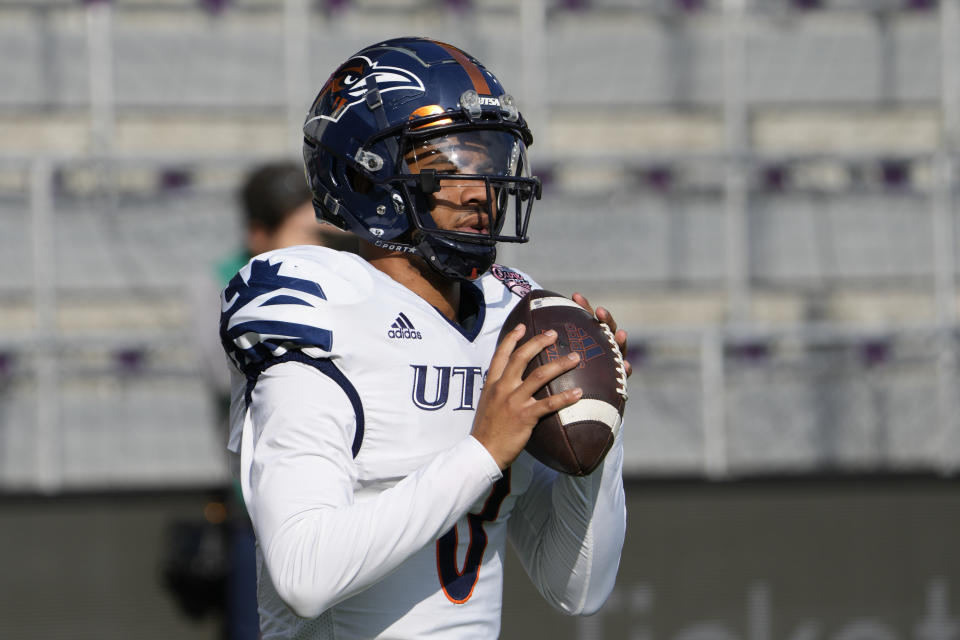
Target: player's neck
416	275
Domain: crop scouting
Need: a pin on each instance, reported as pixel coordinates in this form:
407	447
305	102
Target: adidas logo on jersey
402	328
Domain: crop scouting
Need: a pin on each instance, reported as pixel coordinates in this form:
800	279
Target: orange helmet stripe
476	76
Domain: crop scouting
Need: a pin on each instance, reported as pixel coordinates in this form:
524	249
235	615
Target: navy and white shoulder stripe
266	311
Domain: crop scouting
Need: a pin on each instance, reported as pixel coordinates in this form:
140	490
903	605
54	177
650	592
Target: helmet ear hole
359	182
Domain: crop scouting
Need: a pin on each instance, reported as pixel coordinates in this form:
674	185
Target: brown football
573	440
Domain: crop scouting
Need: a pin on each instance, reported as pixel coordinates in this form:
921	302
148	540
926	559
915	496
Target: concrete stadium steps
794	239
187	55
137	312
861	257
133	430
628	107
145	132
793	400
569	134
781	405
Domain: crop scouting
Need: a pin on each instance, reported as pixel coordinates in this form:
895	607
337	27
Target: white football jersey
377	515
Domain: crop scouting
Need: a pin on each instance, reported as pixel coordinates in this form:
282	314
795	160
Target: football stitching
618	359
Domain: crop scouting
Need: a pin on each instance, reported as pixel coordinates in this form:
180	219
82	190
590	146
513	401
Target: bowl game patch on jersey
511	280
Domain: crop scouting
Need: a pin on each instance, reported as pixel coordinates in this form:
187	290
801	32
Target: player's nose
474	192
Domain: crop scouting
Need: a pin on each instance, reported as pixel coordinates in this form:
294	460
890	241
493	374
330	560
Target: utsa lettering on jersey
376	425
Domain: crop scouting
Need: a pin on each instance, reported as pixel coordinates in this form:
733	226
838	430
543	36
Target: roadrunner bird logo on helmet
349	84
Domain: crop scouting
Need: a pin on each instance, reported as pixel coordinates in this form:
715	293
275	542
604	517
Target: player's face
465	204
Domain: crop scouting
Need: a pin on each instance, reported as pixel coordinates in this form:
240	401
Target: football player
379	427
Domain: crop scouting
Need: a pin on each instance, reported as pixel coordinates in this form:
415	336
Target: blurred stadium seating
764	196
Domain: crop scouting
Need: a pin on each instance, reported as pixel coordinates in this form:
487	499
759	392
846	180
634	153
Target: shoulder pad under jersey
278	302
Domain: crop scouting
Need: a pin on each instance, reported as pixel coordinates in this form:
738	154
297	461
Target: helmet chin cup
456	260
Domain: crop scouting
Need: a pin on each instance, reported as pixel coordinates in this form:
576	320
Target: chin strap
453	262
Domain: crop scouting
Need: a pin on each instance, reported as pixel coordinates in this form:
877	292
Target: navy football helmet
394	127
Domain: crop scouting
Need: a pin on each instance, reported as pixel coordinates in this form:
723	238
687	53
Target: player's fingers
523	354
556	402
621	338
547	372
583	302
504	350
604	316
619	335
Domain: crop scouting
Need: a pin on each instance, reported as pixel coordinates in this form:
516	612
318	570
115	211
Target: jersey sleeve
320	543
568	532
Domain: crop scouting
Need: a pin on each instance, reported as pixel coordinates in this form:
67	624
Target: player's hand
507	412
604	316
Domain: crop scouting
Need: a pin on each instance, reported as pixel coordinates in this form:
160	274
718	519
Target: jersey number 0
458	584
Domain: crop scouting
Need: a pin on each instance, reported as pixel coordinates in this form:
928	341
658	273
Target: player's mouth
474	223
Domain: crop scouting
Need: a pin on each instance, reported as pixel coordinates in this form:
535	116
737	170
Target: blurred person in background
277	211
277	208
